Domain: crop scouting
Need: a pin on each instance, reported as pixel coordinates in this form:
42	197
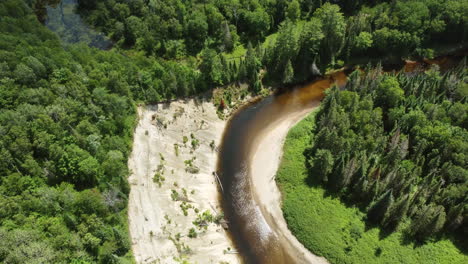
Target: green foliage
389	93
333	28
158	178
192	233
364	40
293	11
330	228
388	145
204	219
288	75
67	112
328	36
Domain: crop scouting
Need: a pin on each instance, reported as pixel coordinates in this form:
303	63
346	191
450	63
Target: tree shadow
385	232
310	180
458	239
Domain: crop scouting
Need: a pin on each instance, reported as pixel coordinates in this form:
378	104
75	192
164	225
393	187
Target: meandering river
254	227
251	225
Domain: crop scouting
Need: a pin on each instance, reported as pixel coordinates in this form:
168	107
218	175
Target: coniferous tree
398	212
322	164
378	211
252	65
288	75
428	222
227	37
455	217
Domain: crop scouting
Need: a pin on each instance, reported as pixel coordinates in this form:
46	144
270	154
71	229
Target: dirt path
264	165
158	227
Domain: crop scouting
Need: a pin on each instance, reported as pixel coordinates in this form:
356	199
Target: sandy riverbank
264	165
158	227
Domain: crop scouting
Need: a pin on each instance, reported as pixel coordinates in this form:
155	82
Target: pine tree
398	212
372	191
360	189
428	222
322	164
346	170
227	38
455	217
288	75
252	65
257	85
380	208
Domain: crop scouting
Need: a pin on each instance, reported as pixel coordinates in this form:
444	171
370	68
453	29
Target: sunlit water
253	232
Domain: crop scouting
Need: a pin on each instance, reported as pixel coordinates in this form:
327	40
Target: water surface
61	17
251	227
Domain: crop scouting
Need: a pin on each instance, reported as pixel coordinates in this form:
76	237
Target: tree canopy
389	144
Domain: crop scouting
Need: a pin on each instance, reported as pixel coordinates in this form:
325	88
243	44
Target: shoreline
158	228
268	149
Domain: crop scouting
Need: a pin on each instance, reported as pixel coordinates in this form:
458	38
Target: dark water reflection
61	17
251	228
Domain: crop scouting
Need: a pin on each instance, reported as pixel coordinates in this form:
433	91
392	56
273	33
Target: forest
307	31
396	145
67	112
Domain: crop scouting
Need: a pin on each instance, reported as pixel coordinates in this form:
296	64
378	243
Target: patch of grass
236	54
158	179
195	142
329	228
190	167
192	233
185	207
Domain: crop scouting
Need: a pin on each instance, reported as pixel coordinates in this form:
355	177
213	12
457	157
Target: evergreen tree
398	212
333	28
379	210
347	173
428	222
455	217
322	164
252	65
288	75
227	37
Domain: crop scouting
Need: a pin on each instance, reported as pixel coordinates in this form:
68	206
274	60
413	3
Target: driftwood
184	199
219	181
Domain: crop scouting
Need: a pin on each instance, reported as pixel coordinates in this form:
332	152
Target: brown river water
251	227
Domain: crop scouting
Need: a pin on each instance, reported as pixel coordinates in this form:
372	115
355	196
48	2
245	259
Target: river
253	226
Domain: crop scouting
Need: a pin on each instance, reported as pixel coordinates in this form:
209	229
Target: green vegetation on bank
66	121
330	228
338	31
397	146
67	112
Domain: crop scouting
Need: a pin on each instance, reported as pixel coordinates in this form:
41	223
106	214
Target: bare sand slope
264	165
155	219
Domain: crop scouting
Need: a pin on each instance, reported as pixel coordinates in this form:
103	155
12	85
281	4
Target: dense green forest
67	112
397	146
66	123
337	229
325	34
